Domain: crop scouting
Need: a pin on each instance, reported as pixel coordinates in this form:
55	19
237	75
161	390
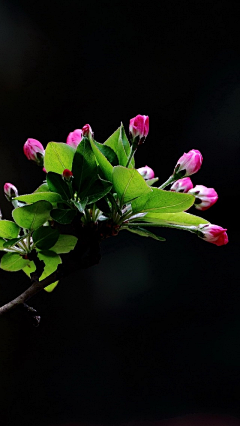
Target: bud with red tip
139	128
74	138
213	234
146	172
10	191
188	164
204	197
182	185
67	174
87	130
34	151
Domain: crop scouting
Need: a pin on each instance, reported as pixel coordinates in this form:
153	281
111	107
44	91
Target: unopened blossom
204	197
10	191
139	128
146	172
74	138
34	151
213	234
189	163
182	185
67	174
87	130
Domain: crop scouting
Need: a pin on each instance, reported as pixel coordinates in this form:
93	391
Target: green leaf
51	260
108	153
104	164
57	184
45	237
42	188
65	244
126	145
80	205
150	182
2	242
98	190
63	216
11	242
58	157
144	233
182	218
52	197
84	166
119	143
129	184
160	201
32	216
8	229
13	262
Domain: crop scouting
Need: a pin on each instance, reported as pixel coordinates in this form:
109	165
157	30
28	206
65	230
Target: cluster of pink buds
204	197
74	138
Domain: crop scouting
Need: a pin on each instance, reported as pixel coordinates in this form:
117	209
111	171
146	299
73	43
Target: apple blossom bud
213	234
87	130
34	151
74	138
182	185
146	172
10	191
205	197
67	174
188	164
139	128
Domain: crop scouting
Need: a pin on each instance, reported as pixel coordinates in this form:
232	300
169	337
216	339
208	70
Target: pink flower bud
182	185
189	163
67	174
213	234
139	128
34	151
10	191
87	130
205	197
146	172
74	138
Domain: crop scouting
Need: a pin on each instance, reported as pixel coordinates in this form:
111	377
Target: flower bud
74	138
10	191
87	130
213	234
188	164
182	185
67	174
146	172
204	197
139	128
34	151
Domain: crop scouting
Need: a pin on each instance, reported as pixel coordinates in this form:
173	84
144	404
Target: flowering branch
92	191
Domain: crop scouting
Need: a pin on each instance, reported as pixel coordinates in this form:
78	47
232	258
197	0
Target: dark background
153	331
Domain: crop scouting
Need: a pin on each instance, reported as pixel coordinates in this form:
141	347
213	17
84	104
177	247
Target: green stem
132	152
170	180
192	229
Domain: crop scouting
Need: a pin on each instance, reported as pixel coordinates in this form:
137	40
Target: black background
153	331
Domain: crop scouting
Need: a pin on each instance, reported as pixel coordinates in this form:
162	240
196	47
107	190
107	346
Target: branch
84	257
30	292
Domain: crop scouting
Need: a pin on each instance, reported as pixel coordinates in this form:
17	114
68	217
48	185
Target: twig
30	292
